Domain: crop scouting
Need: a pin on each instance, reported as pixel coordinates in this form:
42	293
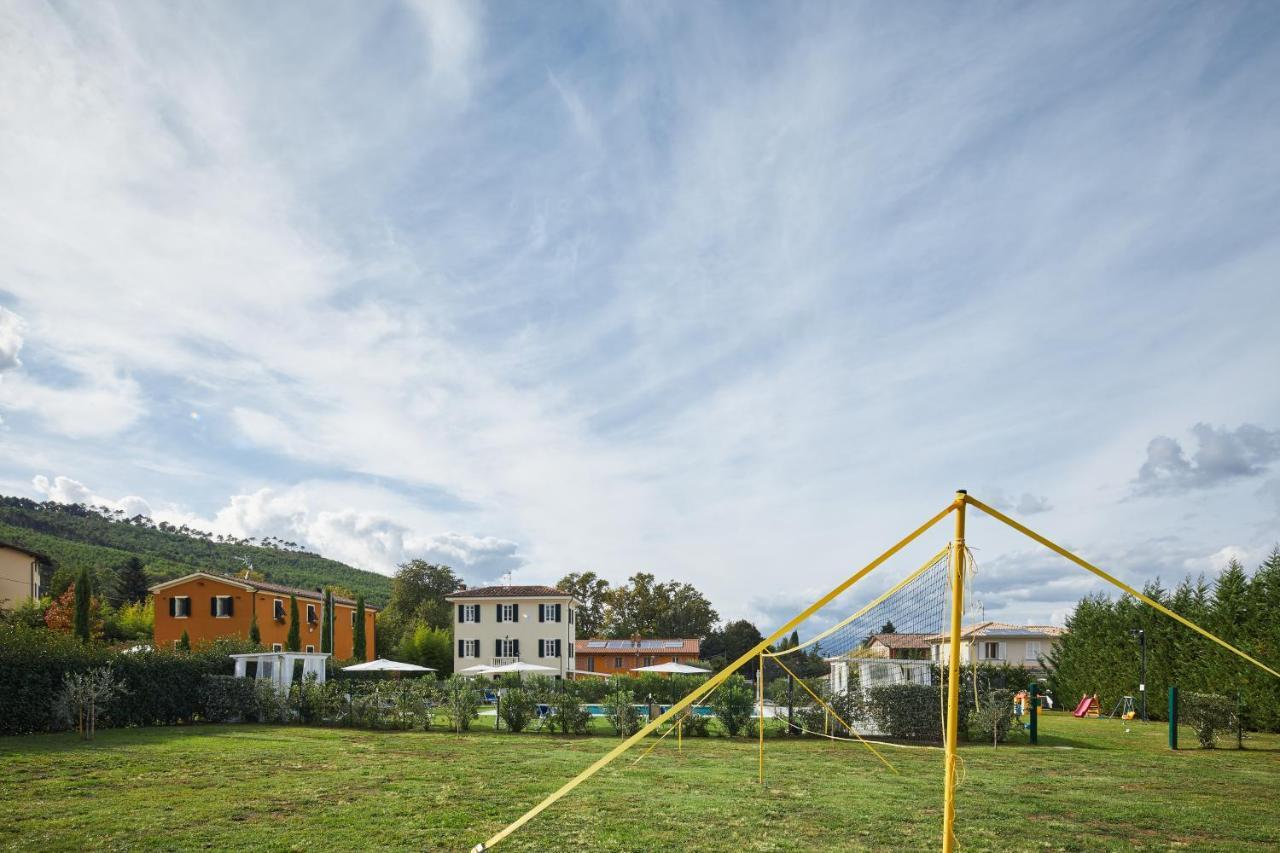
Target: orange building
209	606
610	656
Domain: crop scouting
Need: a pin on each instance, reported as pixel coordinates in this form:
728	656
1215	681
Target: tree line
1101	651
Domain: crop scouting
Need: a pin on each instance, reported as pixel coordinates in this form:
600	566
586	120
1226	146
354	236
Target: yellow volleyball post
953	677
760	722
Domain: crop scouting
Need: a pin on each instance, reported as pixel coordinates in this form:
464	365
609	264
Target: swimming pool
601	711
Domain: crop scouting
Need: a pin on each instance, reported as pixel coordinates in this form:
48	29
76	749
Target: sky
735	294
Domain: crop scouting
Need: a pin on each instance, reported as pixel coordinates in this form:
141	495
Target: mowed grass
286	788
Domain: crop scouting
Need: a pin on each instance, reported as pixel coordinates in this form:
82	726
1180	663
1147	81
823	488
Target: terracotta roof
261	586
533	591
901	641
630	647
1001	629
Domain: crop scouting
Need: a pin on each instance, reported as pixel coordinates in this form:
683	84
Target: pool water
601	711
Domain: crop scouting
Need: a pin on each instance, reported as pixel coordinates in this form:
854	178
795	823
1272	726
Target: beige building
19	574
498	625
999	643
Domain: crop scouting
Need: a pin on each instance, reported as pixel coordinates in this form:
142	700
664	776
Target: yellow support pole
680	735
953	677
760	721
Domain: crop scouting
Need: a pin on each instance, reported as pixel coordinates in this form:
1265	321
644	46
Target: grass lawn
279	787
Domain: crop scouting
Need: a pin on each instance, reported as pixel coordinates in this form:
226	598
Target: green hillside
75	536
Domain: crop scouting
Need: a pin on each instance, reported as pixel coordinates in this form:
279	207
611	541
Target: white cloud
68	491
1221	455
11	329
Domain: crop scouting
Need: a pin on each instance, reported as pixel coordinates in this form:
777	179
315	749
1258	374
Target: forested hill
76	536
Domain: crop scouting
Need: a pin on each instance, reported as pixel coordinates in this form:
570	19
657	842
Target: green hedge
162	687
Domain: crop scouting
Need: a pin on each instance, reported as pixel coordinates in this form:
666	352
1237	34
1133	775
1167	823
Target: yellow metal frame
958	568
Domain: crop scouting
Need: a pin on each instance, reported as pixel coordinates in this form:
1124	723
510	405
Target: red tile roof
901	641
261	586
533	591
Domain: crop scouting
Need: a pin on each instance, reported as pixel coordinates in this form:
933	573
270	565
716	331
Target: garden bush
460	701
733	702
621	711
1210	715
226	699
567	714
517	707
910	711
994	718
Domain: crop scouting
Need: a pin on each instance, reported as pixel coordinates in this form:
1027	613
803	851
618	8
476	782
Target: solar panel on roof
673	644
596	644
619	644
650	644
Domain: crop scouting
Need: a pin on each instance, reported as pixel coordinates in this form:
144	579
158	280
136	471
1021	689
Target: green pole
1035	702
1173	718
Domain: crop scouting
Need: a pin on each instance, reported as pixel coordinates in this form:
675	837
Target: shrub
1210	715
621	711
518	708
460	700
84	693
994	718
567	714
732	703
696	725
910	711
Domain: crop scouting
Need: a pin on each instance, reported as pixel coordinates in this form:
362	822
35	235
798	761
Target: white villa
498	625
998	643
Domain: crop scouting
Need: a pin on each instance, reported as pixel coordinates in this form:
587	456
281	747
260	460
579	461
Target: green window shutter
557	612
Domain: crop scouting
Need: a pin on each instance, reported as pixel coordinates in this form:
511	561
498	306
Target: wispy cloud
1221	455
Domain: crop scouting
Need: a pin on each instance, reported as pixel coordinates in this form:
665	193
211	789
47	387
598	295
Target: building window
278	610
548	648
573	653
310	649
469	613
507	613
591	663
617	663
648	660
276	647
507	648
991	651
311	614
570	615
353	618
221	607
267	667
468	648
180	606
1033	650
548	612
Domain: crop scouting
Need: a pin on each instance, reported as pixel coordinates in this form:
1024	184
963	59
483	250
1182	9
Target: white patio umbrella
384	665
476	669
672	668
521	666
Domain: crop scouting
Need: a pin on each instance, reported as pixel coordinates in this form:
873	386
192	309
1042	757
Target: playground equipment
1125	708
958	567
1088	707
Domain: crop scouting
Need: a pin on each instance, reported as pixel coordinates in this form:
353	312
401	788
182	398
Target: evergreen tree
359	644
83	603
255	635
293	642
184	643
131	582
326	627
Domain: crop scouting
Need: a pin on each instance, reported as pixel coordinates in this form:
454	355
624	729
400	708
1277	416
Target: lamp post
1142	678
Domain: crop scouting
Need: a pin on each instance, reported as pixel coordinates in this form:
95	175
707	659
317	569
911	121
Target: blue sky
729	293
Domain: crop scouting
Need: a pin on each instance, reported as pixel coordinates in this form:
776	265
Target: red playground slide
1085	706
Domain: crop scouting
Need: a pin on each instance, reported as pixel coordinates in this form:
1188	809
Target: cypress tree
255	636
359	650
184	643
80	624
294	641
131	582
326	629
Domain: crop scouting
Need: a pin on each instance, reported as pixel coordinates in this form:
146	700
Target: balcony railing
502	661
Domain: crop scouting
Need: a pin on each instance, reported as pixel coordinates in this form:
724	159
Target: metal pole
953	676
1142	688
1173	718
1034	699
791	705
760	722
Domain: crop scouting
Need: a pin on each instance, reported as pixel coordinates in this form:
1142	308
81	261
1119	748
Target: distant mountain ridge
76	536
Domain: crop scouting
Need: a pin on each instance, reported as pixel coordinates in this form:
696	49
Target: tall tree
359	644
255	635
184	642
83	603
293	642
418	590
669	609
593	592
131	582
326	627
